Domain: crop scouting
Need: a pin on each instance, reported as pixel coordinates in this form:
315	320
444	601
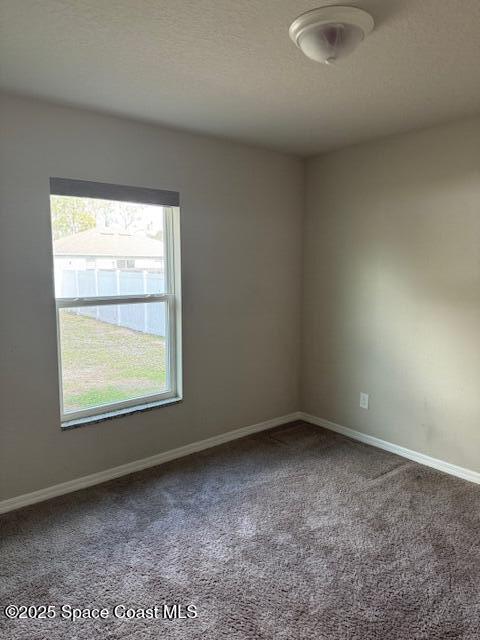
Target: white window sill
118	413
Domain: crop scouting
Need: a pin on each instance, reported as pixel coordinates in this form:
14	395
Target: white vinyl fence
148	318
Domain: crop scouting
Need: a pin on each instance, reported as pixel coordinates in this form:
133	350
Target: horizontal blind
105	191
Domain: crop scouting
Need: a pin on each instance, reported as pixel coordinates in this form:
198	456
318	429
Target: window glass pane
112	353
105	247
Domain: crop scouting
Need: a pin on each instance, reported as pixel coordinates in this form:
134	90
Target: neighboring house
103	249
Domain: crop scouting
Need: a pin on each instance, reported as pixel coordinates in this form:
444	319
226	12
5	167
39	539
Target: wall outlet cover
364	400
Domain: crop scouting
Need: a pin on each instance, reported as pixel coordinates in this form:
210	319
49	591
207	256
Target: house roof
95	242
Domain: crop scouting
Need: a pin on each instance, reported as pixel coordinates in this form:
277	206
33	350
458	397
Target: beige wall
392	290
241	248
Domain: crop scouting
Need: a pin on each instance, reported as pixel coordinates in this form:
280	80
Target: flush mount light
330	33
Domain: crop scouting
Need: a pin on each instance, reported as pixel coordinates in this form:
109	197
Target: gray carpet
292	534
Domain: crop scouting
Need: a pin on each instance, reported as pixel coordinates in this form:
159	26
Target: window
116	253
125	264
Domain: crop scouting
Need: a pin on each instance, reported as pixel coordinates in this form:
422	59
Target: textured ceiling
227	67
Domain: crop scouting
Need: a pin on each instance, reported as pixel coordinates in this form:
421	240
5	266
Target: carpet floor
291	534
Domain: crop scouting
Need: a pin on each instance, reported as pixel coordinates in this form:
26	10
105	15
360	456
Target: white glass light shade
330	33
330	42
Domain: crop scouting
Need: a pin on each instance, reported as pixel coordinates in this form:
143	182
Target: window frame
171	297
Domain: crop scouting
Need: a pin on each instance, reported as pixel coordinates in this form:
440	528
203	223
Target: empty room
240	319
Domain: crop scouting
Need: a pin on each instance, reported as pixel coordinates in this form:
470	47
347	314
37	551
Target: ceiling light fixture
330	33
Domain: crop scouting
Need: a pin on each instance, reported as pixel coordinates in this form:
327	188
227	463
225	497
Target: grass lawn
104	363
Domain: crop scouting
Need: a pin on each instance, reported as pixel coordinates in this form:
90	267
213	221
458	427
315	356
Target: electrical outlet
364	400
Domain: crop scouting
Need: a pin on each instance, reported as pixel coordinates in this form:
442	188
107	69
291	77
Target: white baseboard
138	465
152	461
441	465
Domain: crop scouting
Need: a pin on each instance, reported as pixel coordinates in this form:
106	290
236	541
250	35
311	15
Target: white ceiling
227	67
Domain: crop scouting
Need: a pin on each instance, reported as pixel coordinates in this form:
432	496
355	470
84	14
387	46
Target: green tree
70	215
